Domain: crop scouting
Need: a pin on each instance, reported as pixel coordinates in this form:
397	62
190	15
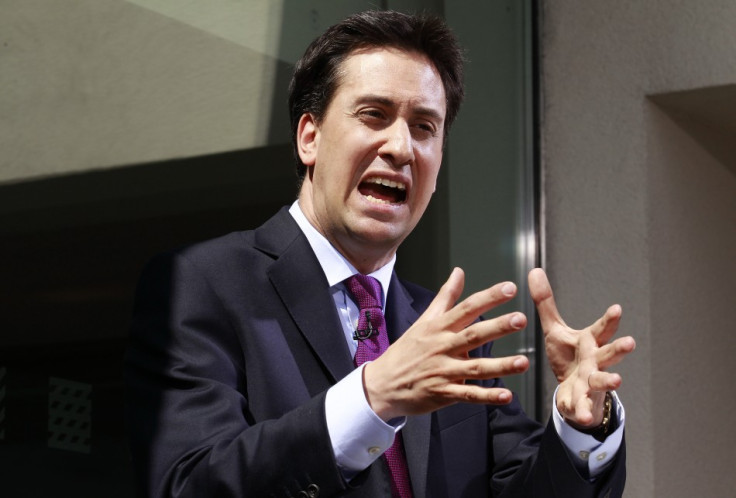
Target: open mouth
383	191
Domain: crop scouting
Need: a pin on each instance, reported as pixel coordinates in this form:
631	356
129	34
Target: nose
398	145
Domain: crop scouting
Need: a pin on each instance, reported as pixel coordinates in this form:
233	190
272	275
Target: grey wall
639	210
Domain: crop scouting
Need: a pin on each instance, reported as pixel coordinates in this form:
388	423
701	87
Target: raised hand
579	358
427	367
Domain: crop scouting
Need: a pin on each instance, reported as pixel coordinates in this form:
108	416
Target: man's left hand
579	358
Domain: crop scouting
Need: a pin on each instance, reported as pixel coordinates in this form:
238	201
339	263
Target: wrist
601	431
373	396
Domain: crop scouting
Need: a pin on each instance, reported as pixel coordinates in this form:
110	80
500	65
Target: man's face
372	161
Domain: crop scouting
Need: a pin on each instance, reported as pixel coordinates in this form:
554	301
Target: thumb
541	293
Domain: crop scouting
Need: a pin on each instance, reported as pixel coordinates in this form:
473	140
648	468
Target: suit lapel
302	286
400	315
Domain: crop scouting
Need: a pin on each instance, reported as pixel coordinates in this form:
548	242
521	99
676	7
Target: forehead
392	73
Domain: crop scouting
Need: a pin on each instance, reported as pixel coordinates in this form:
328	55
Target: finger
487	368
469	393
584	411
448	294
606	326
604	381
541	293
613	353
479	333
468	310
564	401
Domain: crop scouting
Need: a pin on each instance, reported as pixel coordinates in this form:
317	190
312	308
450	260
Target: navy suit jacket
234	343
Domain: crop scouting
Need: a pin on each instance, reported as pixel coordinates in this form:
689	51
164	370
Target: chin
384	234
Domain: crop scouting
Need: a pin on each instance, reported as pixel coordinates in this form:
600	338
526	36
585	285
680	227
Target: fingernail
518	363
517	321
508	289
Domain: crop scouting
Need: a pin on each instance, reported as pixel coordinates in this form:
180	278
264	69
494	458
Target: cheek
428	175
425	185
335	180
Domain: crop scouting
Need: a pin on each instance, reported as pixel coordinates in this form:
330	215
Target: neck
363	255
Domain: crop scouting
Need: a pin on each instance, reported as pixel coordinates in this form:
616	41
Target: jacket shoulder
266	241
421	296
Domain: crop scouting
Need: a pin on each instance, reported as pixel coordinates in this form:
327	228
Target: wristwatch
601	432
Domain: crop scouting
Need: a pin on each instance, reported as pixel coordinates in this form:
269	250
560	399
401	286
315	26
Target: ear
307	139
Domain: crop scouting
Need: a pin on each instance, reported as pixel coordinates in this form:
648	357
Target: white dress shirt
358	435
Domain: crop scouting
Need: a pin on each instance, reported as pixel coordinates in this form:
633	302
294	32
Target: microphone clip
368	332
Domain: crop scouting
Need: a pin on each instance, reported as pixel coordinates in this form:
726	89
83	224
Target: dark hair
316	75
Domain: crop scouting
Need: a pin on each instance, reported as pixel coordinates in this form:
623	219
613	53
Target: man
242	365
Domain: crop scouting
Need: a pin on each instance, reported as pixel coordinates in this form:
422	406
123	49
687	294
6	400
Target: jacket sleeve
532	461
187	405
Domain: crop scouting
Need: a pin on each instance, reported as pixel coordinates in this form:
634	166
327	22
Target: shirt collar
334	265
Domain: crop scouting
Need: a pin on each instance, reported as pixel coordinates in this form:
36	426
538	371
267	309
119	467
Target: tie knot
366	291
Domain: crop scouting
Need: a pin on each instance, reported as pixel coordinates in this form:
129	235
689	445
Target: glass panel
491	165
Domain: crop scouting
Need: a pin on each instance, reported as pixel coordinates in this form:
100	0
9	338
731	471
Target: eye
371	114
425	129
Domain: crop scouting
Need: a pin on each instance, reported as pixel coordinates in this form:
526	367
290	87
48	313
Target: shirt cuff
358	435
584	447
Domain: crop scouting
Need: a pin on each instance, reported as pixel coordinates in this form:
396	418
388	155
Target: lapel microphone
368	332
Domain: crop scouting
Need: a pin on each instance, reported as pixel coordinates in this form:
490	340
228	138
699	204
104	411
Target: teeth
387	183
377	201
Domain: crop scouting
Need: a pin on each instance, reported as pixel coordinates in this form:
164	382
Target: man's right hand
427	367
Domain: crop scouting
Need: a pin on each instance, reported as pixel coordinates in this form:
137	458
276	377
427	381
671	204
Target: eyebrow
385	101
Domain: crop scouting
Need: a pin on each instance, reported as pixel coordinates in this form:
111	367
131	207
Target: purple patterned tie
372	341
